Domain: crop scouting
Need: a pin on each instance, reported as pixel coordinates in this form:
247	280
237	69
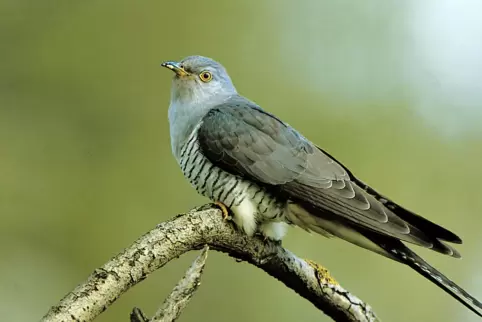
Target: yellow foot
322	273
223	208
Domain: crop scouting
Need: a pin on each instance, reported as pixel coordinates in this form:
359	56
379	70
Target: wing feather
241	138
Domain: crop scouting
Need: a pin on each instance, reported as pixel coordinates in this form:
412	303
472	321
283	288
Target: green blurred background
392	89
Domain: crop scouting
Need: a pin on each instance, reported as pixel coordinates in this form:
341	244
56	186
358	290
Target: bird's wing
242	139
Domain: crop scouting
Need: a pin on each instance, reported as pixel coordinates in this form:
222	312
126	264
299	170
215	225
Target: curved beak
175	67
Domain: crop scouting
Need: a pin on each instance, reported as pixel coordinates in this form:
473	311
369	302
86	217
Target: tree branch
191	231
183	292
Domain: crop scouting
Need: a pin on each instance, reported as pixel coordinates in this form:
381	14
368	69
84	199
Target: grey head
199	79
199	83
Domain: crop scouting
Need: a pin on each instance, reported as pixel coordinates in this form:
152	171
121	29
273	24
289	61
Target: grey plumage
217	184
268	174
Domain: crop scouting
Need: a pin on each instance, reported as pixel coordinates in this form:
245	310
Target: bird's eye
206	76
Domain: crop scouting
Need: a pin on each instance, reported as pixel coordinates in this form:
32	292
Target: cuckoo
266	175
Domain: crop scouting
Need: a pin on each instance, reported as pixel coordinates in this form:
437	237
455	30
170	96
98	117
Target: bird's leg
321	273
224	209
267	239
273	230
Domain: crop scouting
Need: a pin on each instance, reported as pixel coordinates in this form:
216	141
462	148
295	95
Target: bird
266	176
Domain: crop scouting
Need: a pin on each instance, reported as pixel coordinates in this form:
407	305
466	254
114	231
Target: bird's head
199	79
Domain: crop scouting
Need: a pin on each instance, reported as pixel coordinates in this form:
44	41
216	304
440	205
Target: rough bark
192	231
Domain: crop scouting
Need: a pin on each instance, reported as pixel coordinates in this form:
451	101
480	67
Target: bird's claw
224	209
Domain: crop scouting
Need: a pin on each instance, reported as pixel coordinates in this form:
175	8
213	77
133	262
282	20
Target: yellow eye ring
205	76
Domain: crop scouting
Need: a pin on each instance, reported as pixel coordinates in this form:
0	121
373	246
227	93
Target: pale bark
192	231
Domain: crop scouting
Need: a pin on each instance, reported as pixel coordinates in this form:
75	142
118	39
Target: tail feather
312	218
443	248
403	254
410	217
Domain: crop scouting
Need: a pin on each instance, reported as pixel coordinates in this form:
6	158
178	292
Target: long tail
403	254
388	246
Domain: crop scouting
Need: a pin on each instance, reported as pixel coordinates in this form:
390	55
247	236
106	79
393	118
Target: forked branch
192	231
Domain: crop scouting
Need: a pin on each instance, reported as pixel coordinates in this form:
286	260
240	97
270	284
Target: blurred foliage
86	166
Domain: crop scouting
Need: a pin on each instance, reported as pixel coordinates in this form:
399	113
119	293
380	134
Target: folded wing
242	139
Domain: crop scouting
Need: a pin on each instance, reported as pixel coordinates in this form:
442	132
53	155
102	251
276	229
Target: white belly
247	217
